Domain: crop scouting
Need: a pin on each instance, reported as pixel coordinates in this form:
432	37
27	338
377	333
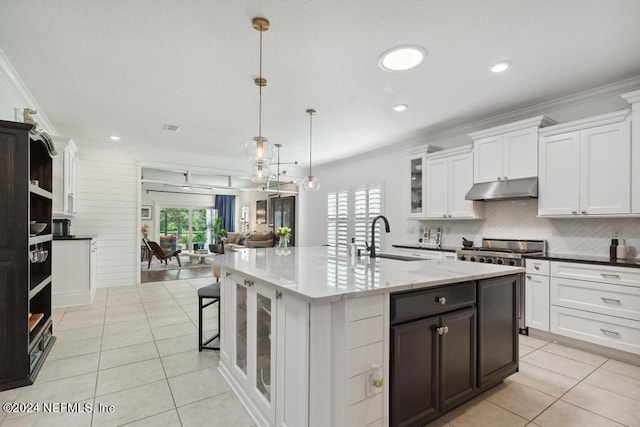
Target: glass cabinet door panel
263	346
416	186
241	327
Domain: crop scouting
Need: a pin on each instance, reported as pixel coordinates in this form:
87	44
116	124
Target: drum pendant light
259	151
310	182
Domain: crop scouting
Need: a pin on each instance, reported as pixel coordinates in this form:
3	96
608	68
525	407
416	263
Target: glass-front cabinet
253	354
416	186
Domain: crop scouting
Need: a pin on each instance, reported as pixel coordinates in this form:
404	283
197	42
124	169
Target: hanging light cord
260	86
310	139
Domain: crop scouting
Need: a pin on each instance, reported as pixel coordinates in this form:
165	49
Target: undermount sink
399	257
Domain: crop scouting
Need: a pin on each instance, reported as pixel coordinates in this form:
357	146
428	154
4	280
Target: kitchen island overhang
303	331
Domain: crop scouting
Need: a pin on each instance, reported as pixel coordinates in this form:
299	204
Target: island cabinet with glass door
306	337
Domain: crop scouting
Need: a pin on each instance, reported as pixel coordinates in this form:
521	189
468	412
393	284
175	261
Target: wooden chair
155	249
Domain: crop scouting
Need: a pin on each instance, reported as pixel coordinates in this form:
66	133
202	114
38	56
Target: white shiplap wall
107	206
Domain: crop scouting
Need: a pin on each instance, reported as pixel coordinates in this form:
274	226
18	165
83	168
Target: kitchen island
313	339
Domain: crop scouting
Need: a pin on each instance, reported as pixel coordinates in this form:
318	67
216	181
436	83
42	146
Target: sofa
236	241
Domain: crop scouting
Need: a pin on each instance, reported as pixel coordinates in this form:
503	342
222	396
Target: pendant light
310	182
259	151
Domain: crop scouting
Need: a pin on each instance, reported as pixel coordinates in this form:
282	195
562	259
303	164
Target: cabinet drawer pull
610	275
574	212
528	276
536	267
228	273
583	211
442	330
441	300
605	299
606	331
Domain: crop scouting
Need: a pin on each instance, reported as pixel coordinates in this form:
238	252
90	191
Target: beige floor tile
575	354
222	410
164	332
567	415
605	403
78	416
559	364
523	349
190	361
110	342
156	304
532	341
66	325
119	307
194	386
9	395
177	344
62	350
119	290
543	380
616	383
124	317
134	404
172	310
78	334
165	419
84	314
173	319
130	354
185	293
64	368
623	368
126	326
519	399
484	413
95	306
129	376
188	300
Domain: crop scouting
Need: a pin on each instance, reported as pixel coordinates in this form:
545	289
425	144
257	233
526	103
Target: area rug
171	265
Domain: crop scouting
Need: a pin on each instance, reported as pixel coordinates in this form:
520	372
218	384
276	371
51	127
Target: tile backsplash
517	219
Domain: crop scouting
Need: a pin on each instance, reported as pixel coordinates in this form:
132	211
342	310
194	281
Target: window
180	228
365	201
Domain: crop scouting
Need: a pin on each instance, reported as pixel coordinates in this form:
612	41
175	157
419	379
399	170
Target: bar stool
210	292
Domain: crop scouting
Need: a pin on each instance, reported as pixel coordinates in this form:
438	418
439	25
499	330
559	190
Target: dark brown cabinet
497	329
449	344
282	213
26	331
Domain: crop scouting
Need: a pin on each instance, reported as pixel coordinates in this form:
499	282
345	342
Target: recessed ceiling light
500	67
114	138
400	107
402	58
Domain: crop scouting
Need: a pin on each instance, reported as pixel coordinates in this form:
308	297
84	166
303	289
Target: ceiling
129	67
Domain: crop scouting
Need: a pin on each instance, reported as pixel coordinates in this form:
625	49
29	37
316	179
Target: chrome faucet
372	248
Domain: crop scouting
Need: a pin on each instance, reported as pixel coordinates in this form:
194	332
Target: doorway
184	227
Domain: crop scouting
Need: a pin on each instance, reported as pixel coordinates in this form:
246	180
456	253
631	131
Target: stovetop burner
502	251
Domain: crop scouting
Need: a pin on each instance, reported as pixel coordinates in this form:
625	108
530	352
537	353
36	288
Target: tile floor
136	348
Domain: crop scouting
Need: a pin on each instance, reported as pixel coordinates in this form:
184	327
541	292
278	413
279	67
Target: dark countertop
427	248
76	237
589	259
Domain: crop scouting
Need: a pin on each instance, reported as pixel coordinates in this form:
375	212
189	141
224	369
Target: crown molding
17	86
631	97
464	149
538	121
589	122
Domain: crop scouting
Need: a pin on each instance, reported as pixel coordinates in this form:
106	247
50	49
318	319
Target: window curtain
226	207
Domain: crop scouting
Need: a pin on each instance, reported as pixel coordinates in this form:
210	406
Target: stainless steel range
506	252
502	251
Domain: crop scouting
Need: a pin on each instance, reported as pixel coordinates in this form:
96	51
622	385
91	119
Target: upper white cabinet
585	167
64	177
415	181
633	98
449	176
507	152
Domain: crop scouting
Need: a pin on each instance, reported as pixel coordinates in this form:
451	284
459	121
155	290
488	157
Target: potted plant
218	234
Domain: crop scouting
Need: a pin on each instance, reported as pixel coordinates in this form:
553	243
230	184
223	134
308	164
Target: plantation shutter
367	205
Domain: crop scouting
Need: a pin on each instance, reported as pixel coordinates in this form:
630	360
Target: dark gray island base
450	344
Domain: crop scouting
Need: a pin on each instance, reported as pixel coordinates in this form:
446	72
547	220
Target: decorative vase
283	242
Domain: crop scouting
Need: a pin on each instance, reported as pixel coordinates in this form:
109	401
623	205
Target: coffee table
201	257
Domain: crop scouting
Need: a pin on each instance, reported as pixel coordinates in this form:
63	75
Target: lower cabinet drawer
427	302
609	331
596	273
603	298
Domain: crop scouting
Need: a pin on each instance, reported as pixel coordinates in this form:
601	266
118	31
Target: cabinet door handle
449	216
228	273
504	177
583	211
499	179
574	212
605	299
443	330
528	276
441	300
606	331
444	215
610	275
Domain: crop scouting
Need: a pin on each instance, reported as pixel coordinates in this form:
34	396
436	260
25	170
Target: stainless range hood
524	188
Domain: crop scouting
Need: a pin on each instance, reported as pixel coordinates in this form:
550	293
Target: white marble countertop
315	275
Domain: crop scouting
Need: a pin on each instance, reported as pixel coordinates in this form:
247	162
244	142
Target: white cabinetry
634	99
598	304
415	180
536	291
64	177
507	152
74	271
419	253
585	167
449	176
